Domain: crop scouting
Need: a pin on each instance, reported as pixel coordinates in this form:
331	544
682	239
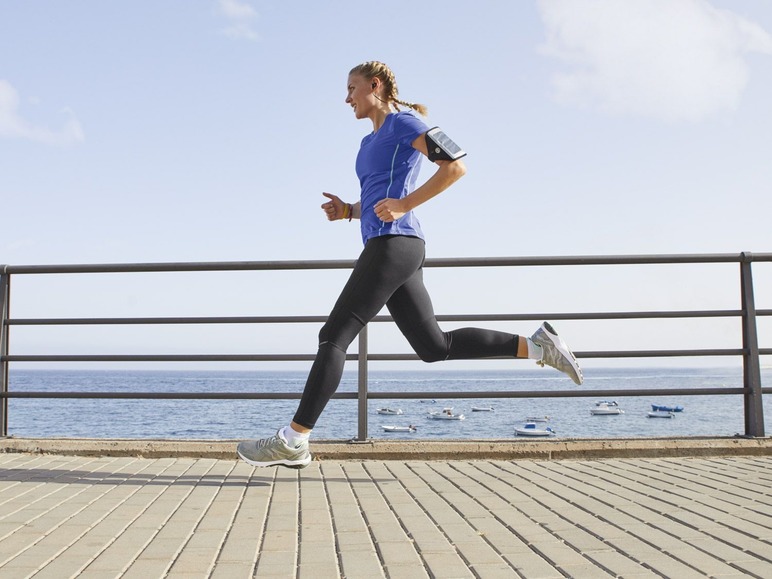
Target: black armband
441	147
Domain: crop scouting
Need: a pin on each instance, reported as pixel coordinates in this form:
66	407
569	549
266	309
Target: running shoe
274	451
556	353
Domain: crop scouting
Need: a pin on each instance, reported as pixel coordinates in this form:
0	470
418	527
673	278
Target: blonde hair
374	69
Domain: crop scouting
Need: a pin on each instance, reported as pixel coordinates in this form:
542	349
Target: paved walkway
64	516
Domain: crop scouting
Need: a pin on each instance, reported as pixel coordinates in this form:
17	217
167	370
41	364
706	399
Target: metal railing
752	390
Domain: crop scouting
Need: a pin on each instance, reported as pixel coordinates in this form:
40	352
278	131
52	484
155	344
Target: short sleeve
408	127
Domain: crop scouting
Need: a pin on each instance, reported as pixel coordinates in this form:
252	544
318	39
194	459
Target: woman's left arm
448	172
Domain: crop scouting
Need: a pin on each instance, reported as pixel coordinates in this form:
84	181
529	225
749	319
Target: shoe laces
550	356
267	441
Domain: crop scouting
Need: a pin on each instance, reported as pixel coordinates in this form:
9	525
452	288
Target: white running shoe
274	451
556	353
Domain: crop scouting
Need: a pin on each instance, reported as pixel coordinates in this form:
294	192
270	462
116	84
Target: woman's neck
379	116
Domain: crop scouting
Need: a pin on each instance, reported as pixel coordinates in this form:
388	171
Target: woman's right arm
336	209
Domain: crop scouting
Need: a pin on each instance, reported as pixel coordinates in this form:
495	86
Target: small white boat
482	408
537	419
390	411
410	428
606	403
530	429
660	414
603	409
446	414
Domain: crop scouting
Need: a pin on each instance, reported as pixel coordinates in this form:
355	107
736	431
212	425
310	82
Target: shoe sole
567	354
296	464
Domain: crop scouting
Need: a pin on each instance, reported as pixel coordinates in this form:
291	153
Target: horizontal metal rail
348	264
750	352
352	357
385	395
321	319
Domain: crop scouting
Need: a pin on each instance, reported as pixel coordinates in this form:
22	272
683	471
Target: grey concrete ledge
505	449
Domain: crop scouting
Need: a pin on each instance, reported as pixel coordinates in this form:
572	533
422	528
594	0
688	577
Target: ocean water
233	419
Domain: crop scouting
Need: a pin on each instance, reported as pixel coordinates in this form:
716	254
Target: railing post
5	296
362	386
754	409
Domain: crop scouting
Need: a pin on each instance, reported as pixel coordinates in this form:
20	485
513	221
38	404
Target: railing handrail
161	320
750	352
653	259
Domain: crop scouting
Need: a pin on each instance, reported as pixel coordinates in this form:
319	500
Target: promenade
212	516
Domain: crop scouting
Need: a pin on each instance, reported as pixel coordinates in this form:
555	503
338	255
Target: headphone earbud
374	84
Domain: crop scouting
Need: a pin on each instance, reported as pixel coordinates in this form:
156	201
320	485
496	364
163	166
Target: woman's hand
389	210
333	208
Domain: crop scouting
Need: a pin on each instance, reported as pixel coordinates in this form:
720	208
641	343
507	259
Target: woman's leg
412	310
389	272
383	267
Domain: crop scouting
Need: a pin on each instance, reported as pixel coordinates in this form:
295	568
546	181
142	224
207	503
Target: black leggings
390	272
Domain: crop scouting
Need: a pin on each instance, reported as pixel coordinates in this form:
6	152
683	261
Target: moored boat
659	408
390	411
603	409
660	414
410	428
530	429
482	408
446	414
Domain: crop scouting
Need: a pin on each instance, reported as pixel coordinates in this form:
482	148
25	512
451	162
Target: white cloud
14	126
668	59
241	16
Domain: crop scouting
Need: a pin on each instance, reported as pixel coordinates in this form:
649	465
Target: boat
537	419
446	414
606	403
391	411
658	408
660	414
530	429
604	409
410	428
482	408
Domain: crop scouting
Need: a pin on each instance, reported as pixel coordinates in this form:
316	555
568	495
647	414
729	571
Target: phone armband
441	147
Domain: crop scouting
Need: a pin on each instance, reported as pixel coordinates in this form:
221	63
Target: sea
243	418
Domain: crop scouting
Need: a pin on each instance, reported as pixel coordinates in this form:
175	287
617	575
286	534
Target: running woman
390	269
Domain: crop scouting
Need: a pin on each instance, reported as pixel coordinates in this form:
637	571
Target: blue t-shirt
387	166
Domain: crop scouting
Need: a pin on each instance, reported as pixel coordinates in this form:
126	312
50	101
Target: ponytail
419	108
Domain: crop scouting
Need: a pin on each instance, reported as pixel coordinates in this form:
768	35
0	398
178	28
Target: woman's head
381	80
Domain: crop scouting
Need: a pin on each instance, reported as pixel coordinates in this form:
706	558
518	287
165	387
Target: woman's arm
448	172
336	209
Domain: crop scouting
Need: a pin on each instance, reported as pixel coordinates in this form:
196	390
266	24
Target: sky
183	131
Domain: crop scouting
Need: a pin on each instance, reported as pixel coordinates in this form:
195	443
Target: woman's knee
339	335
432	357
434	352
327	337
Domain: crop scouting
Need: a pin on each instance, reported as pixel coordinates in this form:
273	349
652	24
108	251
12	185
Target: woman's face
359	95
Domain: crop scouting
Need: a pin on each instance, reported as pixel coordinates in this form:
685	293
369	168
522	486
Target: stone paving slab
88	516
